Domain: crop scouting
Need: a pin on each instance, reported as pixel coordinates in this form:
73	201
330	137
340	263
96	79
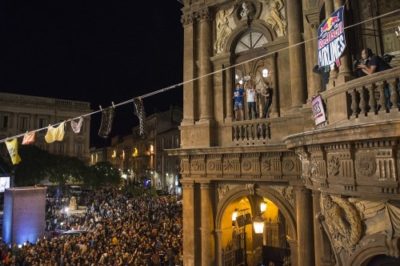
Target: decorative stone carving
197	164
203	14
246	165
287	193
343	222
333	166
224	29
287	164
185	166
222	190
365	165
250	188
246	10
187	19
231	164
266	165
274	15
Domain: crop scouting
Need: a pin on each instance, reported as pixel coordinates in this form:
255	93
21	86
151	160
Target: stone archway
247	191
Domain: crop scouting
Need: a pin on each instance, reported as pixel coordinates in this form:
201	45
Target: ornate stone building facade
139	156
21	113
332	191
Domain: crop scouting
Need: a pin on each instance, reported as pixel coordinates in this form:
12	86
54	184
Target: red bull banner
331	38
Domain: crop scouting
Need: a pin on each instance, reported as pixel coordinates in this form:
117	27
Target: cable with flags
55	132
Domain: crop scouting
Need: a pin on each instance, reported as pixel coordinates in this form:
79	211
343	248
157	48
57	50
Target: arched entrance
241	244
383	260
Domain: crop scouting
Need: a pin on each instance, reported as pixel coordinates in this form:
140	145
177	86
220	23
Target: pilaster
297	73
206	220
304	223
189	241
188	69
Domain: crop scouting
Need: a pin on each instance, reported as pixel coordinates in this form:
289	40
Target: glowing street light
263	207
258	224
234	215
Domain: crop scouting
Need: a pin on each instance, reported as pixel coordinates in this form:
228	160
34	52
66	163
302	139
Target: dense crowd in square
116	229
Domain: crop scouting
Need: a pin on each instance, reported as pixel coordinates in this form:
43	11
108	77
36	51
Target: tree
32	168
37	165
102	174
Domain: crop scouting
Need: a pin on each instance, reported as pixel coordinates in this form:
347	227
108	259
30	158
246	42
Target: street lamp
234	215
258	224
263	207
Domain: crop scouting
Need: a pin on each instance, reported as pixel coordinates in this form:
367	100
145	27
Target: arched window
250	40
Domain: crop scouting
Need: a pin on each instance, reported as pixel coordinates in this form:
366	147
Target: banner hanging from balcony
318	110
331	38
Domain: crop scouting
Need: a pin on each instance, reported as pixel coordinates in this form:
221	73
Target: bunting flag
140	113
55	133
107	118
29	138
76	126
12	147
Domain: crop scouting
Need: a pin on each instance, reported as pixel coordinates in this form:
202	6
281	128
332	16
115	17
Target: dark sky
98	51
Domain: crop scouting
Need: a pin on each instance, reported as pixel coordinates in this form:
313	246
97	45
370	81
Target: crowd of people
116	229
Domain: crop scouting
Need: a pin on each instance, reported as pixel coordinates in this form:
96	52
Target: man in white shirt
251	100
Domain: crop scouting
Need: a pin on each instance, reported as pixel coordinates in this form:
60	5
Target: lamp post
240	218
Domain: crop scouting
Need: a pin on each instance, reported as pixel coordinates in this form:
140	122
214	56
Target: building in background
22	113
140	158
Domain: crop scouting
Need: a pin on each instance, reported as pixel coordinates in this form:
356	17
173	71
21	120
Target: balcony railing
250	132
364	98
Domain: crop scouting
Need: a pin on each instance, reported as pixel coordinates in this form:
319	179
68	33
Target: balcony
251	132
368	99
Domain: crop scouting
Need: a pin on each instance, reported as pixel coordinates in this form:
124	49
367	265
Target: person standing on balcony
267	93
251	100
238	95
375	64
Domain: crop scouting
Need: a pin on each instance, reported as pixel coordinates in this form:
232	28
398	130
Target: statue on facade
276	16
223	29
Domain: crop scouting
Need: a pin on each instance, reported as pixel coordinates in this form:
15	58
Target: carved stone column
229	85
206	219
323	254
311	22
305	239
297	63
188	214
275	96
188	69
318	241
218	247
205	46
345	60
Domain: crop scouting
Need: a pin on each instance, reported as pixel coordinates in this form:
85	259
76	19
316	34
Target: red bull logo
329	23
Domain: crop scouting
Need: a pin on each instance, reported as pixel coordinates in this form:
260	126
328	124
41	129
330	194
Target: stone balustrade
250	132
364	99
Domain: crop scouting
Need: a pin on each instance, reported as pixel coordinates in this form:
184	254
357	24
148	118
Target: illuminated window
250	40
151	149
135	152
114	154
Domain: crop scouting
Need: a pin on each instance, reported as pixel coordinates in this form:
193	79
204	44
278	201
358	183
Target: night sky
98	51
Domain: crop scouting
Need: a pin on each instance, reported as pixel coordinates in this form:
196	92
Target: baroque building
144	156
330	194
22	113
